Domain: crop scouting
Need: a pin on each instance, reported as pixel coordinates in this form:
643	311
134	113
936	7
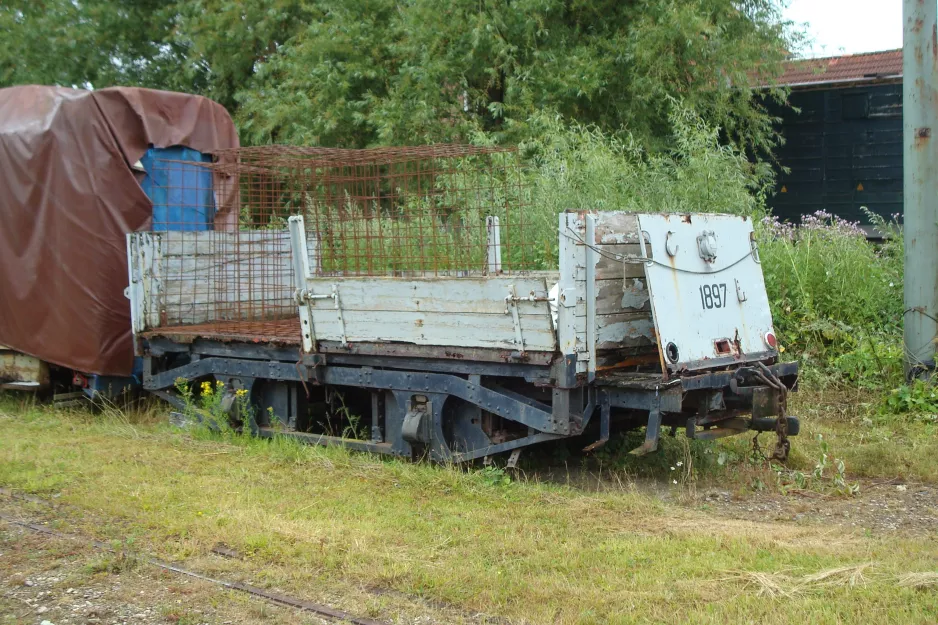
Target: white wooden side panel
446	312
180	278
624	320
431	295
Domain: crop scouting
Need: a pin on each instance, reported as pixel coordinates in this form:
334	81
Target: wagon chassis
410	397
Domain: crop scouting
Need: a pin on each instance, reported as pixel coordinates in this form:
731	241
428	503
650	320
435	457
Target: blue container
182	194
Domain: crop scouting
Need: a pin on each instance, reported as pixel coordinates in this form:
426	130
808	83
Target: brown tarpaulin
68	197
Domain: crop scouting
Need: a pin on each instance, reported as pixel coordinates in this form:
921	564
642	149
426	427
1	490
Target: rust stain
934	41
922	135
419	323
685	219
632	361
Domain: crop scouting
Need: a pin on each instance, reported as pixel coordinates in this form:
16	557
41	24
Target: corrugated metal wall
844	150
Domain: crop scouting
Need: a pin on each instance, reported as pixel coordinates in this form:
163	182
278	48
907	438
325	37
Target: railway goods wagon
413	301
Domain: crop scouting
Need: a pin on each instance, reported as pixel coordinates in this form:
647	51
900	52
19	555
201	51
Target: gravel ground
45	580
879	508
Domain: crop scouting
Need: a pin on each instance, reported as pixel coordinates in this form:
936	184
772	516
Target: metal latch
304	296
511	307
707	245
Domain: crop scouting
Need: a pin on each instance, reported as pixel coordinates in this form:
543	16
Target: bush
836	297
576	167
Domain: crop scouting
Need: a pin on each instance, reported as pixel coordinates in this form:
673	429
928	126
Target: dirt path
881	507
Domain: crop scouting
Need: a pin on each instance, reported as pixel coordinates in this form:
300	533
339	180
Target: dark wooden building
843	137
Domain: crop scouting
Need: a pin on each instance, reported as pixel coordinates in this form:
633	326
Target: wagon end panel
707	291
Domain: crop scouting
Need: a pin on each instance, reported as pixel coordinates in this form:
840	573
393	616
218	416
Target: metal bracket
338	310
493	245
511	303
513	459
301	276
592	258
604	418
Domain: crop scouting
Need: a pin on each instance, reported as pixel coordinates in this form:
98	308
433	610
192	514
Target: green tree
86	43
368	72
383	71
226	40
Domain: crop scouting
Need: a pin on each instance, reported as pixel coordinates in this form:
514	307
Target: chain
783	445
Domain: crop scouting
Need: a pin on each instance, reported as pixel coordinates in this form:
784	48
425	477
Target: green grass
533	552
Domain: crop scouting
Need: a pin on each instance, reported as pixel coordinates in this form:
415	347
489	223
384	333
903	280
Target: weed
494	476
120	558
840	328
919	400
829	475
351	424
213	407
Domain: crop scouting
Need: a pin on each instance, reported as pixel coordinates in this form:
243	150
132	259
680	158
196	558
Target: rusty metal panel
707	291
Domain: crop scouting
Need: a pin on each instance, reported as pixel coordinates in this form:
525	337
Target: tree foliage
89	43
364	72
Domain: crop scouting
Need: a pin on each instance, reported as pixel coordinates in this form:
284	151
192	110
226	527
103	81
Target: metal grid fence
224	259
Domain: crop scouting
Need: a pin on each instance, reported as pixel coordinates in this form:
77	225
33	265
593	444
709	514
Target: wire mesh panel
221	255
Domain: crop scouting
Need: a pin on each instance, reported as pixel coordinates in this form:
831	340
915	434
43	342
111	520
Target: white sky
848	26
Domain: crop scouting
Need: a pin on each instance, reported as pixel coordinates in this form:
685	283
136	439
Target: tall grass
836	297
576	167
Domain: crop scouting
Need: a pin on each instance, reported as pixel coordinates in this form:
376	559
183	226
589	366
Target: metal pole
920	183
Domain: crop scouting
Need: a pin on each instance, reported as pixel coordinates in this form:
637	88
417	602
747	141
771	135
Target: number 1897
713	296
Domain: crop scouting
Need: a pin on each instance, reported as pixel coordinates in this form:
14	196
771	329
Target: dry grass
840	576
919	581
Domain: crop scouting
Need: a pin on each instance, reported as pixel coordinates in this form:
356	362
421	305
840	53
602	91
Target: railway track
297	603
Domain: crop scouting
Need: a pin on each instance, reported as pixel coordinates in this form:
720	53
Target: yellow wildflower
207	388
241	392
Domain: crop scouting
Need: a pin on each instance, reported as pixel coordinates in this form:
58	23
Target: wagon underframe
438	406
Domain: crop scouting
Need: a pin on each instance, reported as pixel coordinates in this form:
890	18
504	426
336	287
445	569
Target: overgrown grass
529	552
837	298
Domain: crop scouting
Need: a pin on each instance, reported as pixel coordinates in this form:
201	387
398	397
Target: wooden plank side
440	329
215	275
624	319
613	298
616	227
432	311
136	290
432	295
626	330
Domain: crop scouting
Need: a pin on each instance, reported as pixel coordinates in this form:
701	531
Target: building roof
848	68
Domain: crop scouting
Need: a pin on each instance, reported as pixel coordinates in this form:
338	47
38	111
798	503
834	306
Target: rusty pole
920	183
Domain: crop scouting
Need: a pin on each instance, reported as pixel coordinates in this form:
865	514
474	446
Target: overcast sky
848	26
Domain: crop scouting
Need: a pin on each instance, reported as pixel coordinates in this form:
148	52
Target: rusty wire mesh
411	212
